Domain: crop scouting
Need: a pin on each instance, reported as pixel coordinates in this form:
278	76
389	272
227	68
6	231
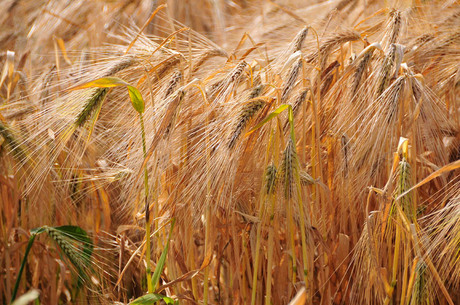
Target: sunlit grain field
229	152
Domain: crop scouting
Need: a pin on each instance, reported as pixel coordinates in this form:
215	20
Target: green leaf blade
162	260
104	82
150	298
272	115
136	99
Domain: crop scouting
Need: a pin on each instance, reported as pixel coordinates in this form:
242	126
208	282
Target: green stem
257	258
271	233
147	211
23	263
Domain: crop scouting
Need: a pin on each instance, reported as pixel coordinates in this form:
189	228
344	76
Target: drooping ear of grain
93	103
360	69
332	43
404	183
175	101
246	114
299	39
173	83
256	91
420	288
396	24
387	67
300	99
11	141
207	55
120	65
288	167
237	72
99	94
270	178
292	78
395	98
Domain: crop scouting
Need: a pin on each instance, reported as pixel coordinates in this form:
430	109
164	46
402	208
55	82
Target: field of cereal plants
229	152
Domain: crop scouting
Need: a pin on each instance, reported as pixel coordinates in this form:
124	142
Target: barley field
230	152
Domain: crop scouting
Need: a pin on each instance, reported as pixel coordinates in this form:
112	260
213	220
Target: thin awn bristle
345	143
120	65
207	55
334	42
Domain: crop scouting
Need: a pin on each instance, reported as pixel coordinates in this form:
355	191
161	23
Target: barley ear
246	114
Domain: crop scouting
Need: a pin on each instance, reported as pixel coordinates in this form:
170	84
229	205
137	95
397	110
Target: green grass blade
24	260
136	99
110	82
272	115
105	82
80	236
150	298
162	260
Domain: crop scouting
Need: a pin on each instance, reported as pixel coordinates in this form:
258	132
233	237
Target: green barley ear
420	293
92	104
390	66
306	179
10	141
246	114
76	246
270	178
96	99
385	72
288	169
256	91
403	185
